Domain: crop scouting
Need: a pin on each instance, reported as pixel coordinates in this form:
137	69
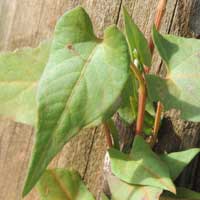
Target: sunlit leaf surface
177	161
142	166
122	190
82	82
181	87
19	74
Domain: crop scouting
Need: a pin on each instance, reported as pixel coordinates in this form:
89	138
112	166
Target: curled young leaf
136	40
81	83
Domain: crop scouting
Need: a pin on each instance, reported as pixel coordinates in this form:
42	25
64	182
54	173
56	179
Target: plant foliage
20	72
81	83
78	81
62	184
141	166
180	89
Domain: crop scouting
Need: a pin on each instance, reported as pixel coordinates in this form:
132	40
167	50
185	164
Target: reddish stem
141	111
158	18
157	118
153	138
141	99
142	87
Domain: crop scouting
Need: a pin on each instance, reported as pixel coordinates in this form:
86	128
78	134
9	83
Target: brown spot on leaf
69	46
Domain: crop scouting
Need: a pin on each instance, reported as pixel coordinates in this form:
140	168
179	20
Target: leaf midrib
86	63
66	107
61	184
152	173
157	177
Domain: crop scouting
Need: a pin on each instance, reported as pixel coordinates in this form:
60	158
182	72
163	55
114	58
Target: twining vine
77	80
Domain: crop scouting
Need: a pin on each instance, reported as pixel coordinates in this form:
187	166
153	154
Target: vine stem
141	99
142	87
156	123
158	18
157	22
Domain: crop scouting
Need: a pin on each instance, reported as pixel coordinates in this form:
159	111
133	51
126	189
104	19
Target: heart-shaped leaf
177	161
62	184
81	83
19	74
136	40
180	89
122	190
142	166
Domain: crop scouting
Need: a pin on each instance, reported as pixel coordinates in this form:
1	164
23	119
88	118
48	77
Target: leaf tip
173	189
25	191
30	181
28	185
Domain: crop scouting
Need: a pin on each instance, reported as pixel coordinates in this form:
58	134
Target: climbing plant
77	80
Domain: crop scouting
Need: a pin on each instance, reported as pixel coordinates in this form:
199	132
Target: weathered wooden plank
15	146
26	23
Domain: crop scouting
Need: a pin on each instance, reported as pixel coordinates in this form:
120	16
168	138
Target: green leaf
128	108
148	123
19	74
136	40
179	160
183	194
62	184
121	190
81	83
149	117
180	89
142	166
150	107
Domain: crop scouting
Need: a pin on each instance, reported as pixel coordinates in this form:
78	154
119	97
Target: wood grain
26	23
